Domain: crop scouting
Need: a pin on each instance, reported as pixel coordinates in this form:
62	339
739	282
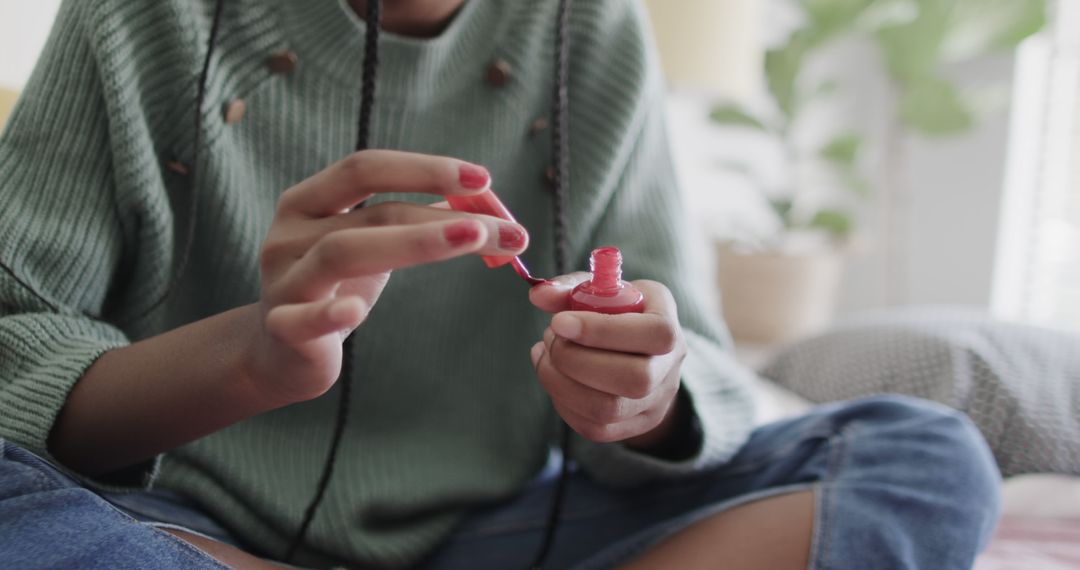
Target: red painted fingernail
461	233
511	237
472	176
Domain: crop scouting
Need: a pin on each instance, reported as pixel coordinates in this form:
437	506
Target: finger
509	237
554	295
395	214
353	253
536	353
297	236
605	433
299	323
353	179
597	406
654	332
620	374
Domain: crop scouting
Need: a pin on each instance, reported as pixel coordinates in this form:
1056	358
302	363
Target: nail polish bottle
606	292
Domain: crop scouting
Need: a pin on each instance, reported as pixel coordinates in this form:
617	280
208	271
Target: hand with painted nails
325	262
612	377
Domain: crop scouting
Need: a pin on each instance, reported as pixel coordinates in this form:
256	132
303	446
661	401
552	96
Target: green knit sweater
447	412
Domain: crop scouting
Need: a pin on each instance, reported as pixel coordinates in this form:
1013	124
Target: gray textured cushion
1020	384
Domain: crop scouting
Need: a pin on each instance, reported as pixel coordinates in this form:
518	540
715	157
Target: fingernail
511	237
556	283
566	326
536	351
460	233
473	177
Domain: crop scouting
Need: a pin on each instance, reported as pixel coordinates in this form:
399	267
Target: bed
1040	528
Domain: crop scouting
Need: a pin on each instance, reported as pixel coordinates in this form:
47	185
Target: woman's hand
324	263
612	377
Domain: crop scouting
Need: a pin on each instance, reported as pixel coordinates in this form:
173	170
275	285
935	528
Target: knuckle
608	410
270	253
277	253
664	337
330	250
599	433
547	380
275	326
385	214
425	244
639	381
285	202
560	352
358	165
274	292
442	173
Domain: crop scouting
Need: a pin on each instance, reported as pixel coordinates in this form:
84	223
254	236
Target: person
177	295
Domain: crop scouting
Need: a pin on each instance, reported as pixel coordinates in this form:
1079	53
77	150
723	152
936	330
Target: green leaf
782	67
981	26
912	50
843	150
1030	19
934	107
782	207
836	222
830	18
732	115
855	182
843	153
887	13
825	89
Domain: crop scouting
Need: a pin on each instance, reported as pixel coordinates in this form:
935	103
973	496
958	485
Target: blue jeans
898	483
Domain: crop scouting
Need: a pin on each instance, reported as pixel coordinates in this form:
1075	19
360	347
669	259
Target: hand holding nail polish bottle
606	292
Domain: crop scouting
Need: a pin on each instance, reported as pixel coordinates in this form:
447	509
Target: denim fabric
899	483
47	520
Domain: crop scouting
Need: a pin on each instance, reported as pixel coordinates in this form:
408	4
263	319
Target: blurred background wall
24	25
905	128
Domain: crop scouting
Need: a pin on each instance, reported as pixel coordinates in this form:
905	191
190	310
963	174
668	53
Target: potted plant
783	282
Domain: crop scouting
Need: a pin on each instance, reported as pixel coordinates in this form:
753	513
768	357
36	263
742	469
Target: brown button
234	111
538	125
498	72
282	62
177	167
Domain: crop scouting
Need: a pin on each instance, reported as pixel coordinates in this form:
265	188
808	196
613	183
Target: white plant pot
770	296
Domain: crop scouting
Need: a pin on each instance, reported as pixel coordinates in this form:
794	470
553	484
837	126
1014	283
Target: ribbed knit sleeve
59	237
645	217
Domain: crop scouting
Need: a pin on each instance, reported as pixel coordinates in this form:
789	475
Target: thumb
554	296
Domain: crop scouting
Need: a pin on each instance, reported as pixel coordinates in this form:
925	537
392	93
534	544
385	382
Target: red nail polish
523	272
510	237
606	292
461	233
472	176
488	204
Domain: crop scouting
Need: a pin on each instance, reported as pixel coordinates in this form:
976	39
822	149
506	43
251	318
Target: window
1038	260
